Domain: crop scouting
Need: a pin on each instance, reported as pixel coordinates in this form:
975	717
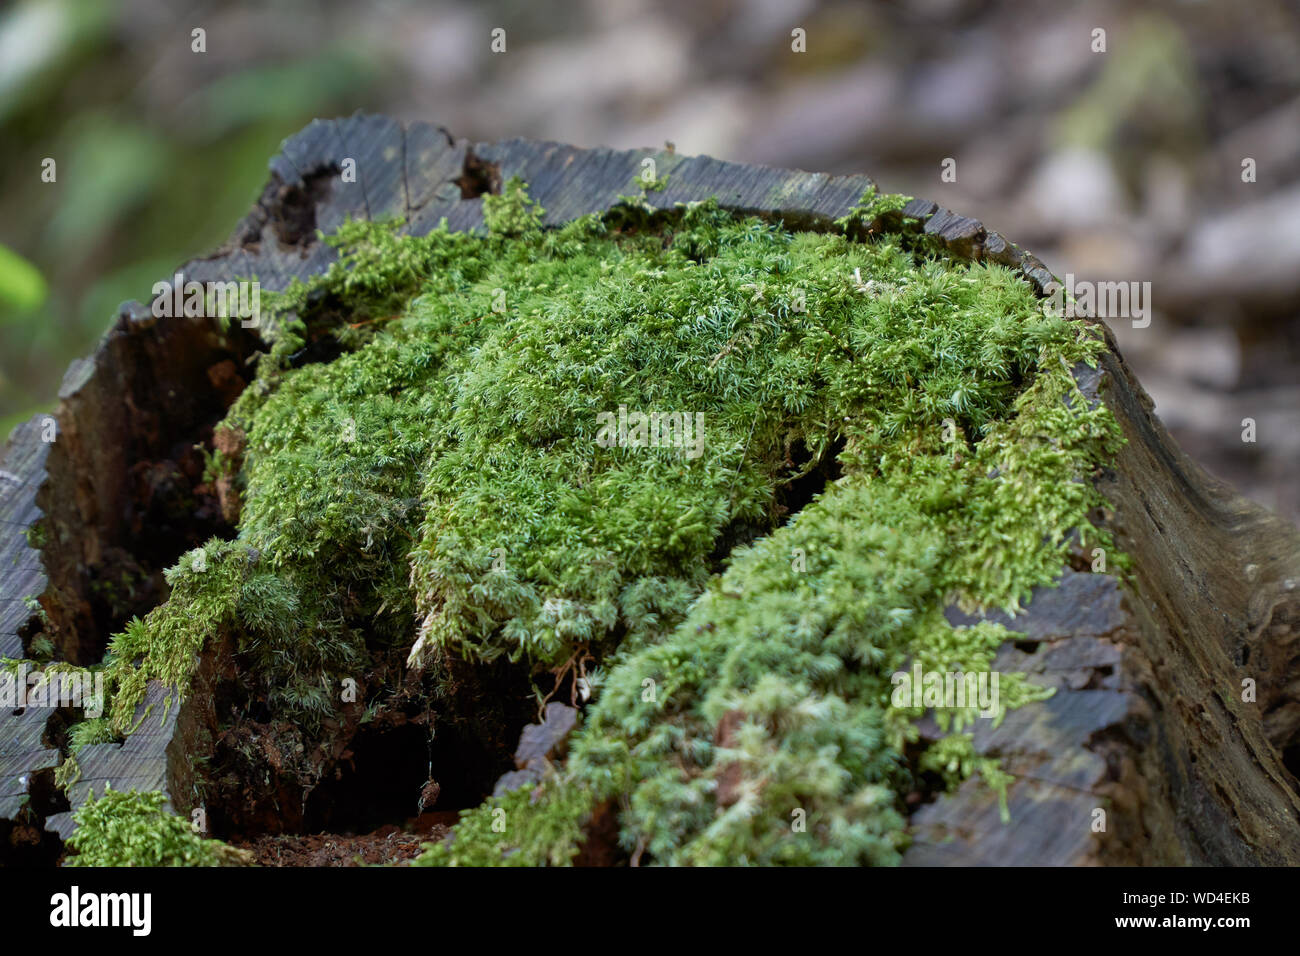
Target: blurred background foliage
159	152
1121	165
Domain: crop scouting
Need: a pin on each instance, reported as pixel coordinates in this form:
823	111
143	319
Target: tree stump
1146	754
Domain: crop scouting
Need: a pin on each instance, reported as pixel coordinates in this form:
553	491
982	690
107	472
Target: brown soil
389	844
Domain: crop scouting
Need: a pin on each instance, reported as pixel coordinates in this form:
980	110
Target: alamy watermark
920	688
1104	300
241	300
35	688
624	429
75	908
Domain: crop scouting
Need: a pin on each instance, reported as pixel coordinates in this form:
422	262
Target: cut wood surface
1146	754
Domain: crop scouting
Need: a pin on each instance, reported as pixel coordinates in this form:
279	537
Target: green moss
512	213
448	487
872	210
136	829
96	730
648	185
42	647
284	619
509	830
216	466
795	645
37	536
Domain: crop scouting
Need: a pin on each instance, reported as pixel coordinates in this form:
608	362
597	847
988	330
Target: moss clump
96	730
281	620
873	210
474	462
512	213
137	829
508	830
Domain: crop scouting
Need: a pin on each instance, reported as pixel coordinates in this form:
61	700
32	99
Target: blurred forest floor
1117	165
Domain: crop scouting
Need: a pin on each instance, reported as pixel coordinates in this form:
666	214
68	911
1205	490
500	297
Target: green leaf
21	283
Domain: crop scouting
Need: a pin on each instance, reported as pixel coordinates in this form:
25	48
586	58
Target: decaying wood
22	469
1148	723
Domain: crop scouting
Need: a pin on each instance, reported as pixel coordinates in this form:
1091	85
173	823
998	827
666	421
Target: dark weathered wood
23	751
23	754
1147	723
22	469
1075	635
139	763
